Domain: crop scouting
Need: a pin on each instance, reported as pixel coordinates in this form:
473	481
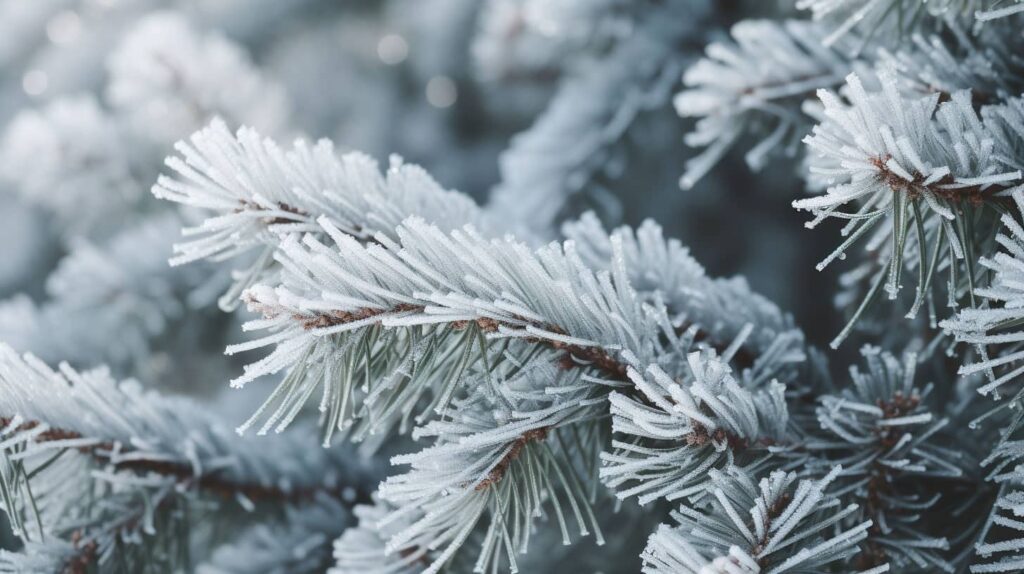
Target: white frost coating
146	426
662	271
884	18
361	548
911	171
747	523
484	464
579	138
991	327
888	424
756	82
939	150
428	277
169	78
706	417
143	457
70	157
107	299
506	316
259	192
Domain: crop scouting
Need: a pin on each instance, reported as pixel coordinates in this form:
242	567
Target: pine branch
920	168
260	193
108	300
1002	551
513	351
70	157
362	549
581	138
147	459
410	294
118	458
168	78
992	326
715	312
501	461
484	339
884	20
984	62
673	432
747	528
881	430
755	85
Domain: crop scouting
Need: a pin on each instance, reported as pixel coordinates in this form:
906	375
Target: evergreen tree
294	357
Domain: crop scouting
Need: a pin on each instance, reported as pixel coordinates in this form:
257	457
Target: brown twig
103	452
84	556
576	355
247	205
333	318
499	470
975	194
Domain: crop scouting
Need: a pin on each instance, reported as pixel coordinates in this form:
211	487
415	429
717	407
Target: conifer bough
531	376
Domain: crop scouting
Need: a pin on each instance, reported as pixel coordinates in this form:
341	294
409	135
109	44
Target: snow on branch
749	527
992	327
526	447
168	78
1003	552
418	314
986	63
756	84
500	353
259	193
107	300
71	158
507	358
912	171
881	19
884	20
580	137
716	311
882	430
362	549
146	457
348	307
671	433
